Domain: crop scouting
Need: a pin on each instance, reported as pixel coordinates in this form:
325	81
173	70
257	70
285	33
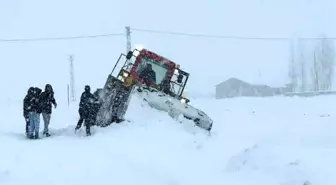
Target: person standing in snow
47	99
87	110
38	93
34	114
27	107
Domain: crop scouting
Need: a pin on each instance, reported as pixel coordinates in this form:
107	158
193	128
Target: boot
88	131
77	127
27	127
30	136
79	124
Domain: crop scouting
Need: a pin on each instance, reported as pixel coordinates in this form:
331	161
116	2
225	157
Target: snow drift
257	141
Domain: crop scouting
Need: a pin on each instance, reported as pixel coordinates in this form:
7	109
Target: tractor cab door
178	82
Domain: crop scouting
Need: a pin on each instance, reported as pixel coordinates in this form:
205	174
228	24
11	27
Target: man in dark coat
148	75
34	114
47	99
37	94
27	107
87	110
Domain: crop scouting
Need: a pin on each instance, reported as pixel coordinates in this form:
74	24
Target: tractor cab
149	69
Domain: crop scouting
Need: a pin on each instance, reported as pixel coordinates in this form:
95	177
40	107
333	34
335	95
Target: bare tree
328	51
320	61
324	63
293	76
315	74
302	67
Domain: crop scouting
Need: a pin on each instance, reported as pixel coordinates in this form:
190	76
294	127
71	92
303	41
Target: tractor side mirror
179	78
129	55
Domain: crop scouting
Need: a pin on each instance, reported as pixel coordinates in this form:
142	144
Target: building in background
234	87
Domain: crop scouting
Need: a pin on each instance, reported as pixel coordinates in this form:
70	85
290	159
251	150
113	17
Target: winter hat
87	88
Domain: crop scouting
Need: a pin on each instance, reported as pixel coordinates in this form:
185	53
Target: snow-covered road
255	141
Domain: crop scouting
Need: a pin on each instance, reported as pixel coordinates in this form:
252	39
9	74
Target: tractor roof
145	52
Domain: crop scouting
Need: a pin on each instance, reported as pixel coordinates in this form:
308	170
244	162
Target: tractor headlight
183	101
125	74
137	50
136	53
129	81
176	71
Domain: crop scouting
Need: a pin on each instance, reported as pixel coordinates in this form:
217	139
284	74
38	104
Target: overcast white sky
209	61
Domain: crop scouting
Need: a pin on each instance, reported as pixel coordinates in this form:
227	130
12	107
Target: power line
228	37
161	32
61	38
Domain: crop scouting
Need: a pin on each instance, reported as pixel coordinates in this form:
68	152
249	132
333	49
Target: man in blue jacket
47	99
34	110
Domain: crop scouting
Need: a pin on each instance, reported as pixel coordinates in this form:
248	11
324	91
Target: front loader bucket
114	99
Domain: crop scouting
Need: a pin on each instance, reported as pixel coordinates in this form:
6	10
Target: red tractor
158	79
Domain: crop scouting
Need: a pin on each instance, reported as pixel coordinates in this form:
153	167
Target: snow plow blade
114	98
175	108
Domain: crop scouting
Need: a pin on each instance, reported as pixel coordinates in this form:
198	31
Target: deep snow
255	141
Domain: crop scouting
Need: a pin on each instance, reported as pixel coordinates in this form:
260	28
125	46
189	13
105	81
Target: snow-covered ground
255	141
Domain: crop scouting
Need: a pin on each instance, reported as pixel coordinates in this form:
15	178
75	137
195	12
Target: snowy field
255	141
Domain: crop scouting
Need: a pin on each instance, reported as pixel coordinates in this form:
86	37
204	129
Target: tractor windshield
152	70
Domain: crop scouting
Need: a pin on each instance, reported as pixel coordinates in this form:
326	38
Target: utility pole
72	80
68	95
128	39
